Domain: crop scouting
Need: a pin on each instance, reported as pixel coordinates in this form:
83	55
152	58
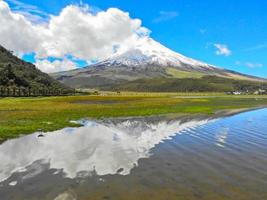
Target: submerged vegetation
26	115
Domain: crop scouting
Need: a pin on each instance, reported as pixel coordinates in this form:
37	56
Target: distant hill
18	73
150	66
204	84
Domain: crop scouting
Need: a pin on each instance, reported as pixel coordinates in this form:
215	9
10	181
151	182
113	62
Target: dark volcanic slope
16	72
154	78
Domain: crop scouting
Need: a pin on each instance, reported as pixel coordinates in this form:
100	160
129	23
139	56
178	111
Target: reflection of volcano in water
103	147
217	158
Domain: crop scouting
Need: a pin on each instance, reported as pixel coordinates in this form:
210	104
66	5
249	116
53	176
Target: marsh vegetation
26	115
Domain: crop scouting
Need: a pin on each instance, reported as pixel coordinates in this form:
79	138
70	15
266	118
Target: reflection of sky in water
221	136
216	158
103	148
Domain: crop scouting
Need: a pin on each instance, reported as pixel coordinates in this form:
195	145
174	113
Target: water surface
190	157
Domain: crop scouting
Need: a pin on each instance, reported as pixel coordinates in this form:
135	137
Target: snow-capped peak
148	51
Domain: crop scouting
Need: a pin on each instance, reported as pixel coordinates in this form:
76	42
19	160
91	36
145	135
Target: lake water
187	157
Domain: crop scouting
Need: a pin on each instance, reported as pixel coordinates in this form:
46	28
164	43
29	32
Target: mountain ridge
148	59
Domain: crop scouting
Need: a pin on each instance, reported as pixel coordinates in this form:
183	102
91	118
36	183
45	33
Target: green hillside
204	84
15	72
183	74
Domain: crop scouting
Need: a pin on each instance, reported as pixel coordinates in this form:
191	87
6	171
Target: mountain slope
18	73
147	60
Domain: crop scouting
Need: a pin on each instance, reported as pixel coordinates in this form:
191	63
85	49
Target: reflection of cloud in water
105	148
221	137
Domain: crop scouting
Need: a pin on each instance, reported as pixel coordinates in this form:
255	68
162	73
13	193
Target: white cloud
222	49
256	48
31	12
237	62
165	16
75	31
16	32
36	19
249	64
55	66
87	36
203	31
253	65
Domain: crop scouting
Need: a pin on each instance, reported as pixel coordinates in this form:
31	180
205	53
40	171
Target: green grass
26	115
171	84
183	74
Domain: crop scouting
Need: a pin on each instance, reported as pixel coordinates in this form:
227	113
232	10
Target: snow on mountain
148	51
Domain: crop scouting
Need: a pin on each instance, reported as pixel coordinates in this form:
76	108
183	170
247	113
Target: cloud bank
55	66
76	31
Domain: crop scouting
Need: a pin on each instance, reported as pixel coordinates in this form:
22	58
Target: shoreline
20	116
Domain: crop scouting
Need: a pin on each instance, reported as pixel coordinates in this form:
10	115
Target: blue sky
193	27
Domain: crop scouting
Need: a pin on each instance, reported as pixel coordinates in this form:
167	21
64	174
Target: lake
223	156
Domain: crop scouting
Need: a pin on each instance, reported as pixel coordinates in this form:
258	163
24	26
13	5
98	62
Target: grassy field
26	115
183	74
